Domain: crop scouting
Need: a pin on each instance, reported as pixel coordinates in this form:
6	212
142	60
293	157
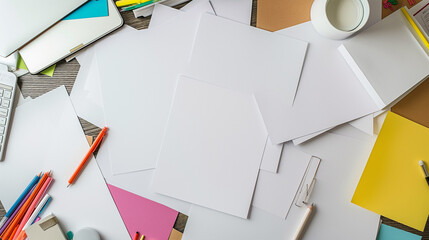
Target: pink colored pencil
32	207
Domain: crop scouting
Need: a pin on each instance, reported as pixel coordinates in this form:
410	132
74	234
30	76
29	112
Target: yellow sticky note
48	72
393	184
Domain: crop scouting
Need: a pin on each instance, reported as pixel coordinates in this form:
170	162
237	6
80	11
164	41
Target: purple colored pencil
16	211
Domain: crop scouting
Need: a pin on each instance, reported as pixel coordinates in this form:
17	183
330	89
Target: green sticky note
391	233
48	72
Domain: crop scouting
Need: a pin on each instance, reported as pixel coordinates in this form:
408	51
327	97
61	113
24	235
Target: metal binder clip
308	181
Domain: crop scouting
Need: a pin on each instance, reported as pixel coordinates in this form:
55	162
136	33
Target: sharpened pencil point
68	185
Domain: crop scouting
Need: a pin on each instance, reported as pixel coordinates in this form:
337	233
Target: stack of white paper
407	64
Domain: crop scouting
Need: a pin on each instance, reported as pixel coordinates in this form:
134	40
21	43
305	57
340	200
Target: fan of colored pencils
27	209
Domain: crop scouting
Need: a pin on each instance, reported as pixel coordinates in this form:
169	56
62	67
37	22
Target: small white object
339	19
11	61
87	234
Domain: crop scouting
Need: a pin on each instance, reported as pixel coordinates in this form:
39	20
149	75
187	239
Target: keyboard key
7	94
3	112
1	139
2	121
1	130
5	103
1	92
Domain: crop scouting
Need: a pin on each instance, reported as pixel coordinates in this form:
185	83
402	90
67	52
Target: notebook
23	20
386	72
67	37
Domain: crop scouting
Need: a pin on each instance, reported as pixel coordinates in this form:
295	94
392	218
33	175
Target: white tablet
23	20
67	37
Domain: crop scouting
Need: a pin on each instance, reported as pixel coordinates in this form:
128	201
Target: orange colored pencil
14	231
24	208
88	155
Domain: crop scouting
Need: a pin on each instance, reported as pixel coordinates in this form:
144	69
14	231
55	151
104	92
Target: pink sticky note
142	215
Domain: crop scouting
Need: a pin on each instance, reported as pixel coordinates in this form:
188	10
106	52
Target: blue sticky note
91	9
391	233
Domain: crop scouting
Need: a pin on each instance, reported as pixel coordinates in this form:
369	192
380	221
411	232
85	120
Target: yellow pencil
123	3
142	237
416	28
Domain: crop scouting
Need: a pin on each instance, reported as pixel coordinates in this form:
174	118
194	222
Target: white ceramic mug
339	19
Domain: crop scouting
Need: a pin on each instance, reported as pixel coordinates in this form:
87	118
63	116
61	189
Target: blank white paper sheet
46	135
275	193
213	145
224	54
329	93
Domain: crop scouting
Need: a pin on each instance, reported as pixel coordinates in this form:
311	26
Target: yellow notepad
392	183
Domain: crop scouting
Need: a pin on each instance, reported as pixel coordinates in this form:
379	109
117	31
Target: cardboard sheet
414	105
274	15
153	220
213	145
392	183
87	203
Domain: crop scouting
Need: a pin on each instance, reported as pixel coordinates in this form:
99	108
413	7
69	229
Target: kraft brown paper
175	235
401	3
273	15
415	106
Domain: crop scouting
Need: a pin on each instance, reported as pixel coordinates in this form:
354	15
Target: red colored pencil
136	236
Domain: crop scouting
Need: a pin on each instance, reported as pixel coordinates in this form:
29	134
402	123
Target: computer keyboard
7	95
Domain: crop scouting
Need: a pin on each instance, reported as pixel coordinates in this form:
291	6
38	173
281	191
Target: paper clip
308	181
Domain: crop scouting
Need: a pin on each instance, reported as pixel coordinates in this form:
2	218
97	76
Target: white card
245	58
271	158
213	145
274	193
46	135
329	93
237	10
138	87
